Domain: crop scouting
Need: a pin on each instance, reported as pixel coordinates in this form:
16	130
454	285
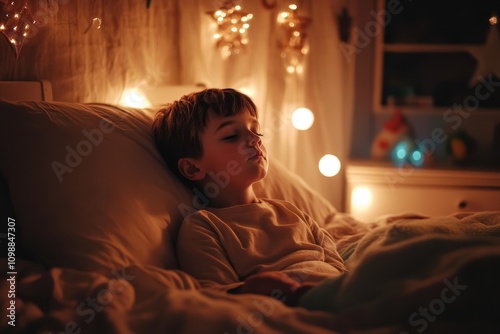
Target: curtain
325	86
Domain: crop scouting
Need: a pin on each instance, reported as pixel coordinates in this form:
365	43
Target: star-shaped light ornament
232	28
16	22
488	56
294	44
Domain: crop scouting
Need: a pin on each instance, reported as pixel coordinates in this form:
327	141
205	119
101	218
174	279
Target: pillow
281	183
89	190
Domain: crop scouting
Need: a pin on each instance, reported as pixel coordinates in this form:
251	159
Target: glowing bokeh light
329	165
361	198
302	118
135	98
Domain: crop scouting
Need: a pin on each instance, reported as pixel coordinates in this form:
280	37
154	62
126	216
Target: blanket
406	274
412	273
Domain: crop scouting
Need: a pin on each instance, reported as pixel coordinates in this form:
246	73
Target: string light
294	41
232	28
15	23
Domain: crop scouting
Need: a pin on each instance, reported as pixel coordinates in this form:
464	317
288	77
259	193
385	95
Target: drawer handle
462	204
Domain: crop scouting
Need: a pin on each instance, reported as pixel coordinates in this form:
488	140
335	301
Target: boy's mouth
257	156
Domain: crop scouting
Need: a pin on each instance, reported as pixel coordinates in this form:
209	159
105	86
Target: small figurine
394	131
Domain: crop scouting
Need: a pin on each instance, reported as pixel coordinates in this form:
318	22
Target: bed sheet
407	274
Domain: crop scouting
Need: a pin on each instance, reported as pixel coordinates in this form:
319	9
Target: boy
239	243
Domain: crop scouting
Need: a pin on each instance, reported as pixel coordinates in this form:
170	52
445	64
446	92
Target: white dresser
379	188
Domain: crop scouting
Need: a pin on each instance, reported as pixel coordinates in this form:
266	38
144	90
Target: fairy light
232	28
294	39
16	21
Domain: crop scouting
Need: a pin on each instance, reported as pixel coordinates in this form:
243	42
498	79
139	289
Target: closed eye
236	135
230	138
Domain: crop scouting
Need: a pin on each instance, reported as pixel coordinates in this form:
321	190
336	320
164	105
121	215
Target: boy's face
232	147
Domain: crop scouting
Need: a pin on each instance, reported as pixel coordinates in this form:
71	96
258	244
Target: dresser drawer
368	201
378	188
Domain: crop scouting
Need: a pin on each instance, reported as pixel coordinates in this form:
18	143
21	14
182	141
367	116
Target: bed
90	213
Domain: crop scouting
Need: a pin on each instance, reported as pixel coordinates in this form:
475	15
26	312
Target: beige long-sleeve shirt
222	247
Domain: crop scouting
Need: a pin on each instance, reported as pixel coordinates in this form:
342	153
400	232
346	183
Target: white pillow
90	191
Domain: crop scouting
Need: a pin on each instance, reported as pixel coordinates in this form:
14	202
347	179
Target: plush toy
394	131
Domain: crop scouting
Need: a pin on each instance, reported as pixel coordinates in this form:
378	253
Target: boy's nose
254	140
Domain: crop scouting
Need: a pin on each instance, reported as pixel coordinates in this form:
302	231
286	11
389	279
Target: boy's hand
274	284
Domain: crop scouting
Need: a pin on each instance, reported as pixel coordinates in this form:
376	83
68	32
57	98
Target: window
436	54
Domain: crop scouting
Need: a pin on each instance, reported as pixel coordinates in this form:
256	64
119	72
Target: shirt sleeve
326	241
201	254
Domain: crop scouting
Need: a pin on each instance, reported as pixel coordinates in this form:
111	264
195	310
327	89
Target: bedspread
411	273
407	274
144	299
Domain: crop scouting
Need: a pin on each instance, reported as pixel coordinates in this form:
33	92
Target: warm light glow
302	118
232	28
361	198
15	24
493	20
250	91
329	165
282	17
294	38
134	98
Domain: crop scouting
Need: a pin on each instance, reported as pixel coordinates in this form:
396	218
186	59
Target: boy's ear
189	169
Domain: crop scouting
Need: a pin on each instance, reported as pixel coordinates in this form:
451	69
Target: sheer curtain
171	43
325	86
87	60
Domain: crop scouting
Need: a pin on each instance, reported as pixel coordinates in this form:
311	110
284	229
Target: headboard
26	90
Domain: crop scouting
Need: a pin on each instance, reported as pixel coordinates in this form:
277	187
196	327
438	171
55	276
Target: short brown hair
177	127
